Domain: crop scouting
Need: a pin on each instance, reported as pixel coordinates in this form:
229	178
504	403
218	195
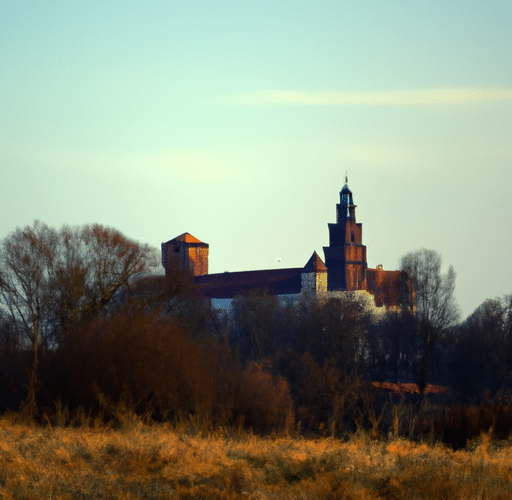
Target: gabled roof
315	265
227	285
185	238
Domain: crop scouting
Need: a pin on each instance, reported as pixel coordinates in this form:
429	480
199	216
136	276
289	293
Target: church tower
345	257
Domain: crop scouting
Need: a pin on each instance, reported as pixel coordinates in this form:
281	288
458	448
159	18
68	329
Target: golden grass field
160	462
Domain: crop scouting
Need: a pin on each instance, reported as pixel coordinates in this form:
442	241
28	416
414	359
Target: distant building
188	252
345	268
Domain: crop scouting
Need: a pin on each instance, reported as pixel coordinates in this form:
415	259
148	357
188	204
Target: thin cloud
385	98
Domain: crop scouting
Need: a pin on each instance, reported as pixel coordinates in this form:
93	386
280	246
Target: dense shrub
157	368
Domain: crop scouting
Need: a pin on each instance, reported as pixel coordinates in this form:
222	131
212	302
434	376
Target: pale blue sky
236	121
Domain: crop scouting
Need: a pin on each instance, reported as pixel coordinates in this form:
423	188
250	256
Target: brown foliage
150	364
326	400
264	401
156	367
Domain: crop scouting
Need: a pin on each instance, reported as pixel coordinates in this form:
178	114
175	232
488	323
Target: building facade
345	268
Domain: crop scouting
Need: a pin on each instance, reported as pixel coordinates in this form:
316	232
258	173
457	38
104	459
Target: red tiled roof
227	285
186	238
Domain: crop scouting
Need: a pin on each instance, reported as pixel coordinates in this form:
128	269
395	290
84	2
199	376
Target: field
162	462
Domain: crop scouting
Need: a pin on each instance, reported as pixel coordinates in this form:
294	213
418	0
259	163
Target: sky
237	121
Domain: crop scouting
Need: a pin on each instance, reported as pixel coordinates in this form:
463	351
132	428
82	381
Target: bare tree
435	307
254	317
27	260
53	280
335	331
483	361
94	263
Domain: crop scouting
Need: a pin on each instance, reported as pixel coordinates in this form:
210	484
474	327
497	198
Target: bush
134	362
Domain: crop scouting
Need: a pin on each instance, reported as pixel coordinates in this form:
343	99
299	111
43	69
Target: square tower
188	252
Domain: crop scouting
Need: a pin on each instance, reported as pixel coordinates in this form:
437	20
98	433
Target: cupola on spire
346	208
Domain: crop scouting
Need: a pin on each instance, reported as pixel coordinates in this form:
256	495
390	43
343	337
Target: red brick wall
384	286
198	260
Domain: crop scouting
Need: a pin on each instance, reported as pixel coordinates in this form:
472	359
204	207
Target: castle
345	268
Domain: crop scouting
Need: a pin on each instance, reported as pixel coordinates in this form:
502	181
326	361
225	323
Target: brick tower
345	257
188	252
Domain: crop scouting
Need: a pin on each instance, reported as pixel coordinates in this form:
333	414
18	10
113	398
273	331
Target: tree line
85	324
421	342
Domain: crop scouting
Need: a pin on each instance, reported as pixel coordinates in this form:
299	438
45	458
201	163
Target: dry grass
160	462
